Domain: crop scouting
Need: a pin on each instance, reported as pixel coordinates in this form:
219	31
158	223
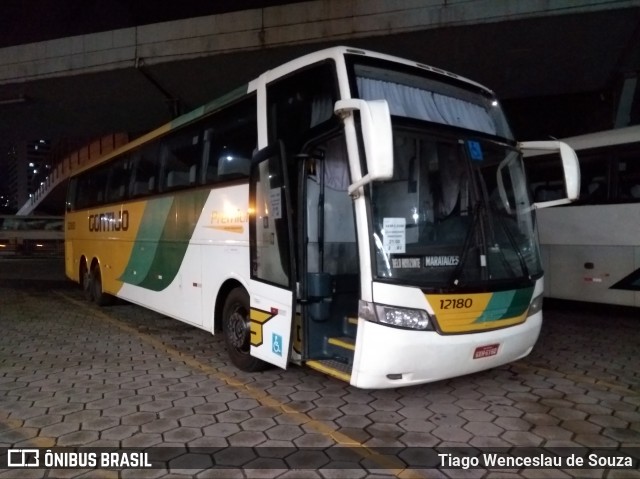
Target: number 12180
458	303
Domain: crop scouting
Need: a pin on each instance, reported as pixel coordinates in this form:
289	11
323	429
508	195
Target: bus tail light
394	316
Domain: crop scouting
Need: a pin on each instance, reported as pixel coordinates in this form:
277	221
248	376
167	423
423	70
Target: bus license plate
486	351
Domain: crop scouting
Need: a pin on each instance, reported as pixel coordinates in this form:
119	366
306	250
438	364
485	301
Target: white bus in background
591	248
28	235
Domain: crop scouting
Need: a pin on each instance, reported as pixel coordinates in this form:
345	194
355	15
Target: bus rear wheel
85	282
237	332
95	285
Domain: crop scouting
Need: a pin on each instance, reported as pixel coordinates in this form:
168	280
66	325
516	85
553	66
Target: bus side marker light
592	279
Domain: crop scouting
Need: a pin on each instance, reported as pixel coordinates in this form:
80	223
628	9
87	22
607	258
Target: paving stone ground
75	375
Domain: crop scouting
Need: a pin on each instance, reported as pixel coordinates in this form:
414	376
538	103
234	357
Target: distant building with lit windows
28	164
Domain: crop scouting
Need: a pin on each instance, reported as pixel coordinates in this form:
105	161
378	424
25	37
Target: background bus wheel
235	317
85	281
100	297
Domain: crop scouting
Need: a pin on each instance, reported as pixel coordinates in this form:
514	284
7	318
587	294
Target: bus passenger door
273	280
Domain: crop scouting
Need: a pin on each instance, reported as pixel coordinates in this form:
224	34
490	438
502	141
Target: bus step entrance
350	326
336	358
332	368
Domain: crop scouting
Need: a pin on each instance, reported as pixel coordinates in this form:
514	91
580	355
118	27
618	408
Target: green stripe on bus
174	240
210	107
506	304
520	303
229	97
630	282
144	250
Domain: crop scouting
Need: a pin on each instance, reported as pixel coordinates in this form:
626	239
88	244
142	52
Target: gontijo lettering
109	221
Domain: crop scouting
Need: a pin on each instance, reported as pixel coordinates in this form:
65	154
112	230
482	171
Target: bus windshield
455	214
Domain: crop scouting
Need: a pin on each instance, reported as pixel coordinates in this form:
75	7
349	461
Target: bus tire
237	332
100	297
85	282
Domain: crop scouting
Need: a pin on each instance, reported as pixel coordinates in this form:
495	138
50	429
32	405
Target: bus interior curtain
336	168
421	104
321	109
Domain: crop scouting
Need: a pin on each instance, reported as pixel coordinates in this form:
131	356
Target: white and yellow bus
362	214
591	249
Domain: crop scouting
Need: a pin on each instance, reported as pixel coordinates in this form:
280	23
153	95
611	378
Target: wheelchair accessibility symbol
276	344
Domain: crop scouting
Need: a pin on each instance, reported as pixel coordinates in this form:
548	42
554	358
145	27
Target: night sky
28	21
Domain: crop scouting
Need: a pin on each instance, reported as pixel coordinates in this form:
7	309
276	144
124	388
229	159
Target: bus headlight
535	306
394	316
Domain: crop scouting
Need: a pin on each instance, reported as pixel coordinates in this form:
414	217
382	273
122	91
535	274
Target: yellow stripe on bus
460	313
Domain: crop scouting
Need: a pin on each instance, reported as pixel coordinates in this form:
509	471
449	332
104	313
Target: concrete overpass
134	79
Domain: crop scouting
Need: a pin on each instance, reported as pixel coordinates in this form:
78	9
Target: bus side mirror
377	137
570	167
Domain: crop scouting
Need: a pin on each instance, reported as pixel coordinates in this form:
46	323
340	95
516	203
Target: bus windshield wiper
514	245
475	212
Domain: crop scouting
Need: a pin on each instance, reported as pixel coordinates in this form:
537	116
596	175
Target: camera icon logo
23	458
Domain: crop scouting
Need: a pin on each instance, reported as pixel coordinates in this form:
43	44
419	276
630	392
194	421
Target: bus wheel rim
238	331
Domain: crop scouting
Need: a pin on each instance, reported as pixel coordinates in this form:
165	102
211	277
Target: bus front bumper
389	357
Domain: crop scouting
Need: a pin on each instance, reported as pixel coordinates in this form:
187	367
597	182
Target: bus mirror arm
353	187
377	137
570	167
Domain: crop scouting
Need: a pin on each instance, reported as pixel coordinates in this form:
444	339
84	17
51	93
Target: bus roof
340	51
288	67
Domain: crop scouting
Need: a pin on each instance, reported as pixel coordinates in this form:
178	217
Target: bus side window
229	141
594	173
181	155
301	102
144	172
91	188
629	180
119	177
232	164
210	164
548	191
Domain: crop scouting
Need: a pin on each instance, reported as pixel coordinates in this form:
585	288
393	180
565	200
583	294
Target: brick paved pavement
73	374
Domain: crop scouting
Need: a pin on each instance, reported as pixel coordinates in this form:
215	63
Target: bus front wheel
237	332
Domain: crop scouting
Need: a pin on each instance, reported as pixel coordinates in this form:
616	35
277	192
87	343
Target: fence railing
89	153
